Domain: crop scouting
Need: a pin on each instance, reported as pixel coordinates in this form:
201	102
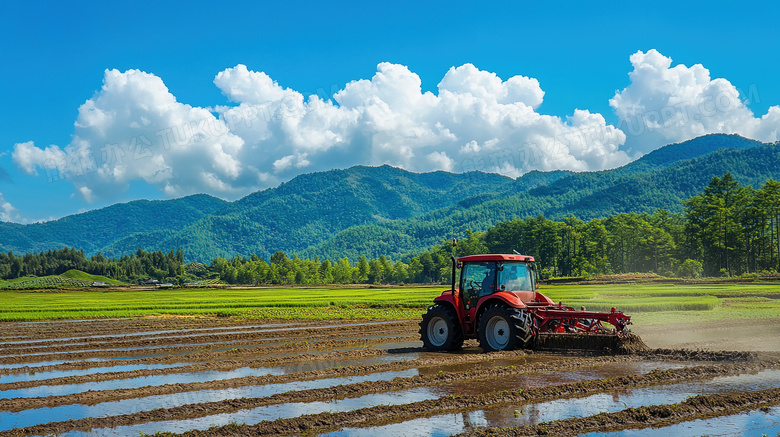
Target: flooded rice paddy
219	376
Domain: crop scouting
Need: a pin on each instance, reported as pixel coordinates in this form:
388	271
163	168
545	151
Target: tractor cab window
477	280
515	276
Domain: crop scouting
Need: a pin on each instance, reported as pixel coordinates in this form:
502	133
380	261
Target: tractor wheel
440	330
504	328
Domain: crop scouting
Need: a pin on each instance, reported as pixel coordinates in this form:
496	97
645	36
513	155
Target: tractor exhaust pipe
454	265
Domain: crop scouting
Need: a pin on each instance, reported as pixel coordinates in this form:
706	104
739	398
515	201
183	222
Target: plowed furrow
386	414
118	343
656	416
208	366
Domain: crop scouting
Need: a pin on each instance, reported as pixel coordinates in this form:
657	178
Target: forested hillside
725	230
95	230
375	211
582	195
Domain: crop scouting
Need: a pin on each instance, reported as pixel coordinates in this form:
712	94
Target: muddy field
220	376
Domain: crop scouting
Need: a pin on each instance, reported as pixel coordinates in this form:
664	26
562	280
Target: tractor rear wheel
440	330
505	328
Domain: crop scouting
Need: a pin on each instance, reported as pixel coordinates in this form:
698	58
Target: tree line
128	268
728	229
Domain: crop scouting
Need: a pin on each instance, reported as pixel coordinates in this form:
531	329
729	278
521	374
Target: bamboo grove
726	230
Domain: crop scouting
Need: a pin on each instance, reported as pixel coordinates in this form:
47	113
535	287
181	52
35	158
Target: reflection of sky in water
128	406
56	362
582	407
38	376
271	412
749	423
143	381
612	402
437	426
289	368
753	423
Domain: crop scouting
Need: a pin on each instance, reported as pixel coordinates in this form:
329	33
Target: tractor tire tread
448	313
520	319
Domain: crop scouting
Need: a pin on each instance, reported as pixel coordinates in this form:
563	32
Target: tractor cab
481	276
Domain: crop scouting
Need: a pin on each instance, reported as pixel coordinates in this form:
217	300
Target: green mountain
310	208
384	210
92	231
660	180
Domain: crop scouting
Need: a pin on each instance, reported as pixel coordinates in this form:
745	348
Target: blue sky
574	57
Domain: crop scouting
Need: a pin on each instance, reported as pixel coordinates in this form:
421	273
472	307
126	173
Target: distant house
148	281
99	284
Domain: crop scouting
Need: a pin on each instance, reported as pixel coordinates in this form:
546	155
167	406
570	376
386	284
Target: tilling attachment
622	344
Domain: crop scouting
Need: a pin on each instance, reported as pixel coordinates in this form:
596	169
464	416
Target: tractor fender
506	297
447	299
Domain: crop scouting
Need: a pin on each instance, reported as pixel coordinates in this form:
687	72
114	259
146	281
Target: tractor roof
496	257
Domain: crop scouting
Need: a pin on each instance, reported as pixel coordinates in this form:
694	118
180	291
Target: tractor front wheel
504	328
440	330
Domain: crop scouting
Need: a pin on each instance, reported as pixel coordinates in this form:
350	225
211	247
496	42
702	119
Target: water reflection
128	406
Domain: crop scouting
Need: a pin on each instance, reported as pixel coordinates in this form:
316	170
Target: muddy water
172	378
329	364
244	342
119	343
271	412
290	368
442	425
754	422
211	346
194	332
8	368
507	416
43	415
612	402
39	376
543	379
144	381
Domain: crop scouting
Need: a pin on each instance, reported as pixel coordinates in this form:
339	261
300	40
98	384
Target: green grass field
647	303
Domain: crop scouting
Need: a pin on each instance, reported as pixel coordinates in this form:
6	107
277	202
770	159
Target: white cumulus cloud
666	104
8	213
134	129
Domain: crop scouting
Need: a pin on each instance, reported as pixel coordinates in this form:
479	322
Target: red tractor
497	303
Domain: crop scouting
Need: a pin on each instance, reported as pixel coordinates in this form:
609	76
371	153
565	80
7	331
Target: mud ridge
383	414
72	328
231	354
60	350
699	355
656	416
225	364
95	397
